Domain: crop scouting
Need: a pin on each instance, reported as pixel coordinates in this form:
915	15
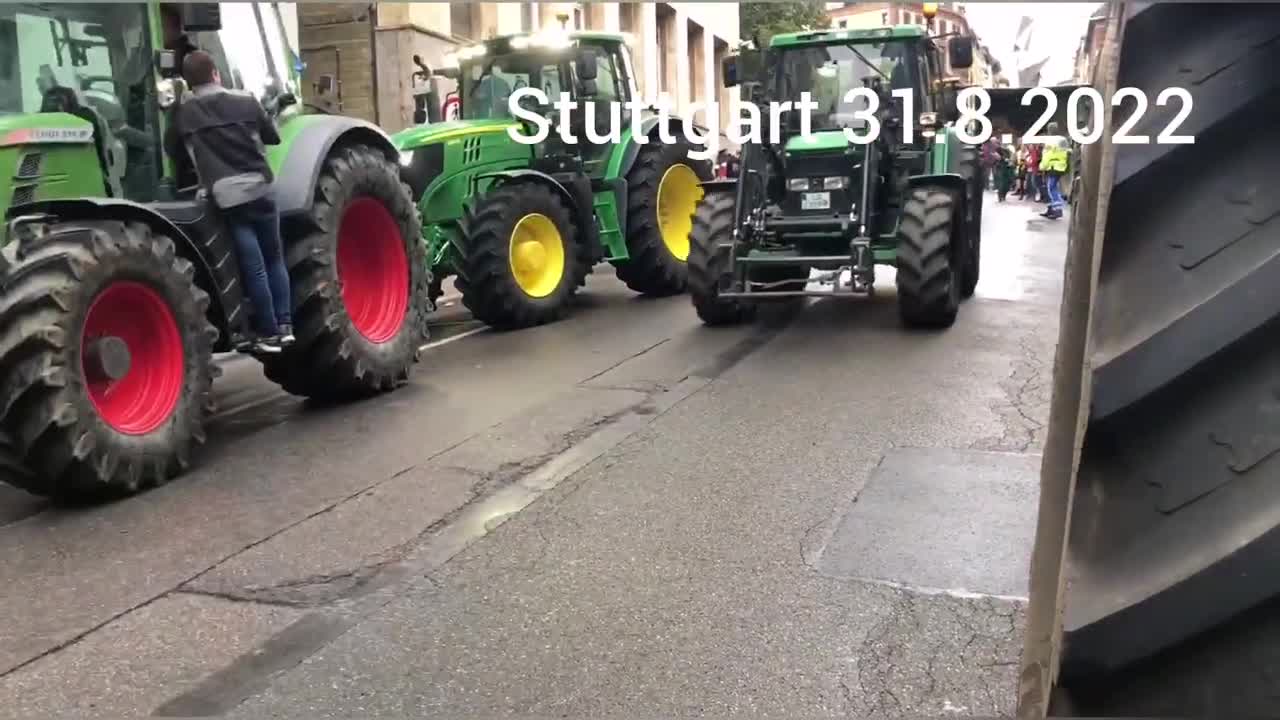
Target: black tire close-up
969	166
1172	602
713	224
487	281
652	269
55	424
928	286
332	358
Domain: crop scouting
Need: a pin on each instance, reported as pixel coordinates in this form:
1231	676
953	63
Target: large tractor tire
521	264
1159	534
105	359
359	275
712	225
663	193
928	278
969	165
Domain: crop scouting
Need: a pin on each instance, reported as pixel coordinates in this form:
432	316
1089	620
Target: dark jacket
225	132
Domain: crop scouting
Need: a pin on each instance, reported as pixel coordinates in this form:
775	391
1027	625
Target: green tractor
522	225
880	178
117	281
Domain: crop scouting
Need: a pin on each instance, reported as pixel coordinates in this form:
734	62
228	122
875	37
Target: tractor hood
420	135
821	141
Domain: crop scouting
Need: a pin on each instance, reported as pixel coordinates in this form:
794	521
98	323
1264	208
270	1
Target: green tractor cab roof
571	34
551	39
823	37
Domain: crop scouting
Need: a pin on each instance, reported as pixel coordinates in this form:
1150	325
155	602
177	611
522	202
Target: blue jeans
255	227
1055	192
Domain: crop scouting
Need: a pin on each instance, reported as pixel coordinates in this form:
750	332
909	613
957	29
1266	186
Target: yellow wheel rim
678	194
536	255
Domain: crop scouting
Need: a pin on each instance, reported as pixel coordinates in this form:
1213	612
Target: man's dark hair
198	68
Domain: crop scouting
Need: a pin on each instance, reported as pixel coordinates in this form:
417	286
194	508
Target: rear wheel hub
132	358
537	255
373	269
107	359
679	191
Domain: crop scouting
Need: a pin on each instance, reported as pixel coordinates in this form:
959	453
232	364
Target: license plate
815	201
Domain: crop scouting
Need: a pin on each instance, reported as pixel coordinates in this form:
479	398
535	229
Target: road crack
1024	410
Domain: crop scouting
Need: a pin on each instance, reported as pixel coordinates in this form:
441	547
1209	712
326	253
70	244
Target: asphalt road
621	513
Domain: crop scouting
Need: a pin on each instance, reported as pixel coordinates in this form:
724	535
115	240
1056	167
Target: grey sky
1058	29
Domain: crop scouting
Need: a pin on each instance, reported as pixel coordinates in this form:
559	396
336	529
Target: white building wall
509	18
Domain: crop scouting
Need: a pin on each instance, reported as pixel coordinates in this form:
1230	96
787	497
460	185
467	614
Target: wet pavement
621	513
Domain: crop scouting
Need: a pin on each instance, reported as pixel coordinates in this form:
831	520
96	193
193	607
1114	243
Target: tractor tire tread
651	269
330	360
926	275
52	442
969	166
485	279
713	224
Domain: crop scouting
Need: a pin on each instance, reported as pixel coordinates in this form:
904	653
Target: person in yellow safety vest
1053	164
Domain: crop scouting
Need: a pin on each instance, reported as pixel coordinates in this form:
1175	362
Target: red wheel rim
146	396
373	269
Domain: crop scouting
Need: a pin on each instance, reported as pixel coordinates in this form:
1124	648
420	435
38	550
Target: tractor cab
96	73
589	66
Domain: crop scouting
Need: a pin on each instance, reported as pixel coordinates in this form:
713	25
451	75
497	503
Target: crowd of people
1027	169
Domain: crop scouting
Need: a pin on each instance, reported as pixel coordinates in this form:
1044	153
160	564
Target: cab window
610	82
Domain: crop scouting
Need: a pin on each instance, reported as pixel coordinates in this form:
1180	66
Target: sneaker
286	335
266	346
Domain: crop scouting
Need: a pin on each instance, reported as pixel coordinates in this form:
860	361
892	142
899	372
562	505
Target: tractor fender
296	179
719	185
525	175
224	305
951	181
648	128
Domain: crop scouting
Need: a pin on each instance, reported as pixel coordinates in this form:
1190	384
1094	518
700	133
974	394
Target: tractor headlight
798	184
406	158
834	183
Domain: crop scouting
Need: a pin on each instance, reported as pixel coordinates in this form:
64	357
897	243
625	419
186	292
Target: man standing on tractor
225	133
1053	163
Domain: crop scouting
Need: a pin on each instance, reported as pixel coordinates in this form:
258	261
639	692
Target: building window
666	45
697	56
460	24
844	23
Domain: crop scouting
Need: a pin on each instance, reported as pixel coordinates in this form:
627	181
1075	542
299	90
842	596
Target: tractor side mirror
960	52
588	63
729	71
201	17
167	63
424	70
